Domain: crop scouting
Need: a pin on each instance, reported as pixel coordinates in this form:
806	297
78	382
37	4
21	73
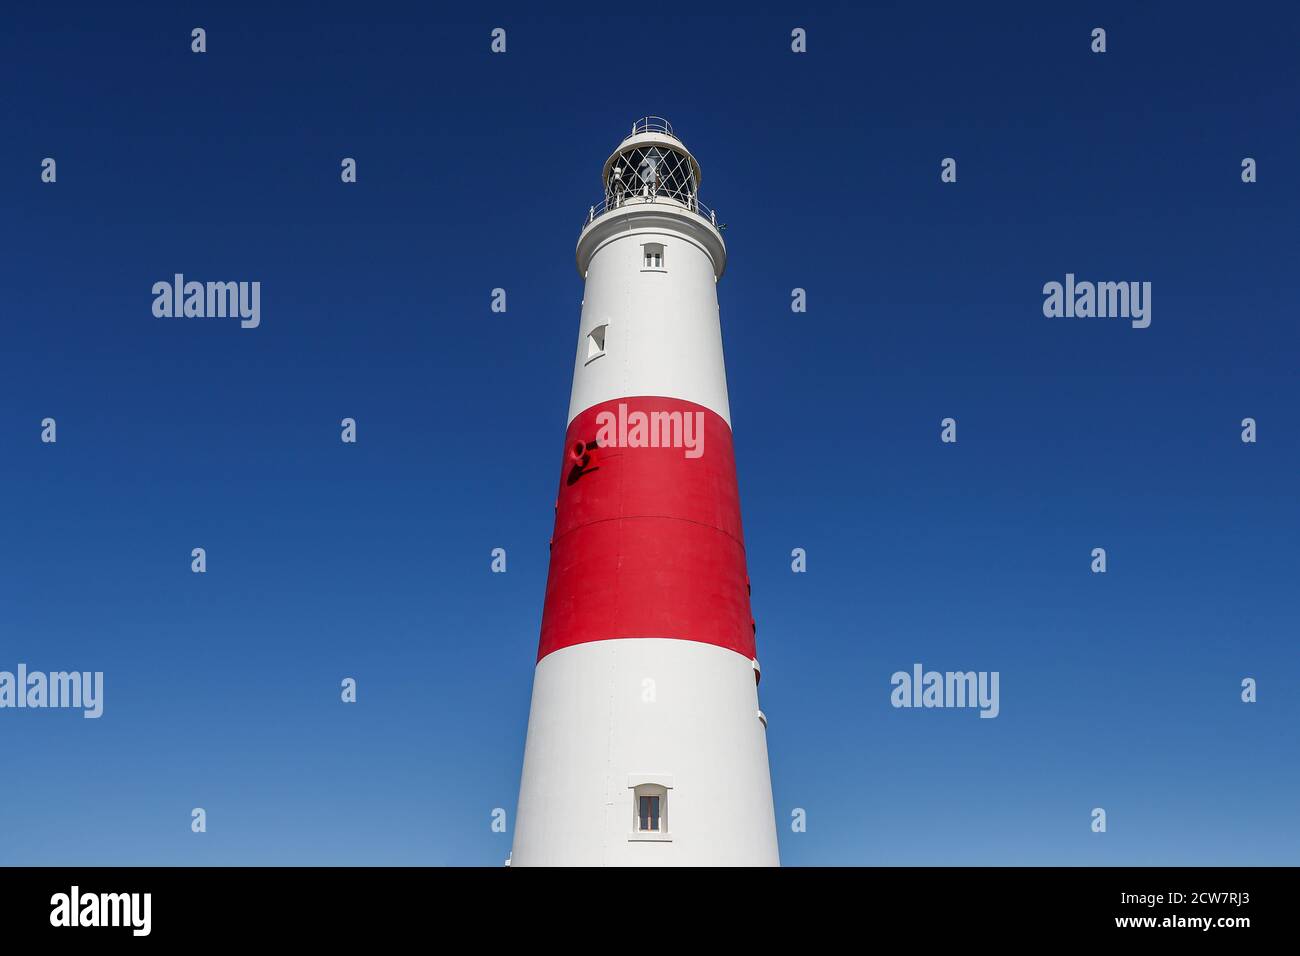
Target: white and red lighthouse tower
646	745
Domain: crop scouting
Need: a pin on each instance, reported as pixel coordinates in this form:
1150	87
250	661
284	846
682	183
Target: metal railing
609	204
652	124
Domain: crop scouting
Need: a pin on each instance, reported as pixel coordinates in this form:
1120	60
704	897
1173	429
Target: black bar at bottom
336	905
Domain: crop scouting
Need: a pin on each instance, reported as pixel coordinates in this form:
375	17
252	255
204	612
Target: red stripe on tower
648	541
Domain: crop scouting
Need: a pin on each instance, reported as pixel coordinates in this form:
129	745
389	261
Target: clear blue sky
328	560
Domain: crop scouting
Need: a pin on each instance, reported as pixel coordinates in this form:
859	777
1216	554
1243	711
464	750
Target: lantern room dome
651	166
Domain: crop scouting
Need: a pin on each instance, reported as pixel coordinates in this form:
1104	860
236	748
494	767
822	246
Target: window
648	815
652	256
653	172
596	342
650	807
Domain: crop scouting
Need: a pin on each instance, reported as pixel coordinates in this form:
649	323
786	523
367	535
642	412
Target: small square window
652	256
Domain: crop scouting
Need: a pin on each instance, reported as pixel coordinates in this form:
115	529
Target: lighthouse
646	745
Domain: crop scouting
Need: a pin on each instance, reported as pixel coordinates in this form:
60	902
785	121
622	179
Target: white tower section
646	745
659	315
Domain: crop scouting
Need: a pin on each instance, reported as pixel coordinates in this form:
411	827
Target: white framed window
650	807
596	343
652	257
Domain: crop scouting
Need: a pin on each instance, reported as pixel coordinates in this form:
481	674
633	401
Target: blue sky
371	560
